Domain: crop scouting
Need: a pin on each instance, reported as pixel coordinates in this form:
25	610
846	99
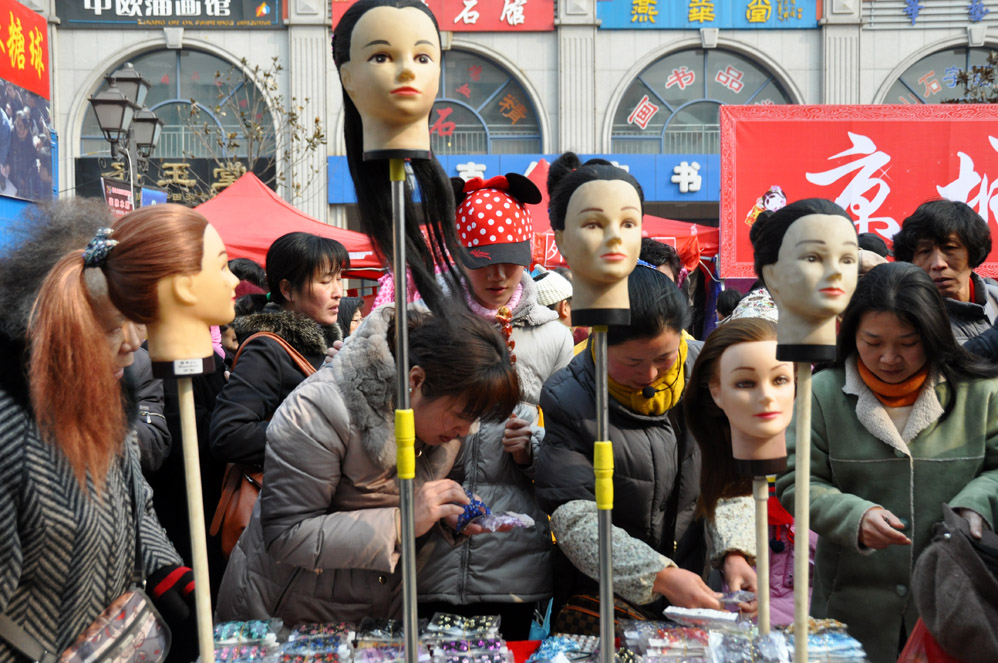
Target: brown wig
719	476
463	356
74	395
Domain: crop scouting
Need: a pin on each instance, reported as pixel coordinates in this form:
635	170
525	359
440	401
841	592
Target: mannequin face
394	68
816	272
889	347
755	390
214	286
639	362
437	420
493	286
602	235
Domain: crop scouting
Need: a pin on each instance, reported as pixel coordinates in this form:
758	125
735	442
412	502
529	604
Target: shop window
932	80
672	106
176	79
482	109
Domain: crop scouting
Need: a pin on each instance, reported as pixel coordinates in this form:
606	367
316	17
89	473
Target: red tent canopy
250	216
692	241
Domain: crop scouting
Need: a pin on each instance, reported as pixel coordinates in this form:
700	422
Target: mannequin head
738	405
807	255
365	128
596	210
391	71
170	272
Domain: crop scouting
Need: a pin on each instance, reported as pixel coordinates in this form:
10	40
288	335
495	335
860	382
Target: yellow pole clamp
405	437
396	170
603	467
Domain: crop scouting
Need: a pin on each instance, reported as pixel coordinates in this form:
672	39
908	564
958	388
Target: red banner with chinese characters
24	48
877	162
482	15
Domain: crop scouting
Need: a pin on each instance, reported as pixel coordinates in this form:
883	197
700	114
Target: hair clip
645	263
95	255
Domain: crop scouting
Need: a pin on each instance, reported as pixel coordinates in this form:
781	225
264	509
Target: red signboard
24	48
482	15
877	162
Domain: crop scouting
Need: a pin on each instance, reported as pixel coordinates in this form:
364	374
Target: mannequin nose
406	73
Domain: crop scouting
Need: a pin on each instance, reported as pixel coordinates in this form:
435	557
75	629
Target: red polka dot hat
492	222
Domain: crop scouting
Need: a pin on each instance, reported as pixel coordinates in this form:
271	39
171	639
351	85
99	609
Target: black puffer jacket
263	377
646	457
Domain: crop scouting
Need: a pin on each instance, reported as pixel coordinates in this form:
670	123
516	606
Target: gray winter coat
516	566
323	541
971	319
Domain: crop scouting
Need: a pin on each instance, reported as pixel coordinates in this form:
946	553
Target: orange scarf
894	395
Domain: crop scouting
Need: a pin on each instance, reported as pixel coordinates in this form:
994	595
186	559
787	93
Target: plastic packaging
257	631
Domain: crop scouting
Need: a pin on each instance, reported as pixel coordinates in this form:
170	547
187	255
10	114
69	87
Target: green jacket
858	461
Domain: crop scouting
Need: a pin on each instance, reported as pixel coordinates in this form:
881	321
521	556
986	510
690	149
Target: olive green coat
858	461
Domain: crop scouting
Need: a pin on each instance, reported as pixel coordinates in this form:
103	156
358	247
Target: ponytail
74	394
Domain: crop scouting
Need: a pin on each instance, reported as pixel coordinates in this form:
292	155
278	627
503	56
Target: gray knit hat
552	288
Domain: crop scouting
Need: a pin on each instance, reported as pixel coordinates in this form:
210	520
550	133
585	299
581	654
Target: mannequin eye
781	380
424	59
744	384
379	58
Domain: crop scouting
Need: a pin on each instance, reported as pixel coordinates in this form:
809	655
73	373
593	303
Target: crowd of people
502	389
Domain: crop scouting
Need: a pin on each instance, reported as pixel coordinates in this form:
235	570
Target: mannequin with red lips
596	210
807	255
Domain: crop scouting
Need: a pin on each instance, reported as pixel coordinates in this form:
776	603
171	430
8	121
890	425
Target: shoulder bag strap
300	362
24	643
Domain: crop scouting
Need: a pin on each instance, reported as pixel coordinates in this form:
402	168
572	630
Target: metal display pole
603	467
802	508
760	491
405	431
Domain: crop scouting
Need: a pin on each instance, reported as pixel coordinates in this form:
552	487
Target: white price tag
188	366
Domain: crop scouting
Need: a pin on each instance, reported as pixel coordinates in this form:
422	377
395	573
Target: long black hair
656	305
371	183
907	292
568	173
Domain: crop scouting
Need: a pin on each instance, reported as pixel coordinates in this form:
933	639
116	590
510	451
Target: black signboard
187	182
195	14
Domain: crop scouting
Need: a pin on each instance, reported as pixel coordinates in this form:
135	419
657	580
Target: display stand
181	370
802	508
405	431
760	491
603	468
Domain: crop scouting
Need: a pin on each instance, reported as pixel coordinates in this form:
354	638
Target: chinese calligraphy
931	84
513	108
464	89
443	127
468	15
854	196
787	10
15	42
643	11
986	200
35	50
176	173
977	11
470	170
911	9
681	77
512	12
758	11
687	177
475	71
701	11
642	113
731	78
225	175
97	6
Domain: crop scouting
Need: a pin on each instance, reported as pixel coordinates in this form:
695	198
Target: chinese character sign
493	15
695	14
24	48
877	162
201	14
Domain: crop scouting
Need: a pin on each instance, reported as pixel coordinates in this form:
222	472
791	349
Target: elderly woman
905	422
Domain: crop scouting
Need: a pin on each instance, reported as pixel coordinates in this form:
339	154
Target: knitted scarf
894	395
487	313
668	388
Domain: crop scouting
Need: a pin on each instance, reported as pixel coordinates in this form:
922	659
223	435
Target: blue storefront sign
696	14
663	177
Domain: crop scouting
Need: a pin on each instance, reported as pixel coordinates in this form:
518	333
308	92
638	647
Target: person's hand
739	574
436	500
516	439
975	520
685	589
332	351
879	529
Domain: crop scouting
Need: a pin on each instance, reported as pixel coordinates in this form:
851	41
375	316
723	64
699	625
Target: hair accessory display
95	255
504	316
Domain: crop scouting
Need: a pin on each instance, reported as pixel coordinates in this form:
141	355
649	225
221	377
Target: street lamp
131	128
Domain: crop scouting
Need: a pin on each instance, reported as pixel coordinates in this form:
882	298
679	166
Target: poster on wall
118	196
25	114
877	162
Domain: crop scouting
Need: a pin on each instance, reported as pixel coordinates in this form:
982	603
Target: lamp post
132	129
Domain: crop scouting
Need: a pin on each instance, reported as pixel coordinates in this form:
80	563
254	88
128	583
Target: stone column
309	57
577	76
840	53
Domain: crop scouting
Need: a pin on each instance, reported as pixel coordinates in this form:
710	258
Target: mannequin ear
715	391
346	78
182	286
558	234
769	277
